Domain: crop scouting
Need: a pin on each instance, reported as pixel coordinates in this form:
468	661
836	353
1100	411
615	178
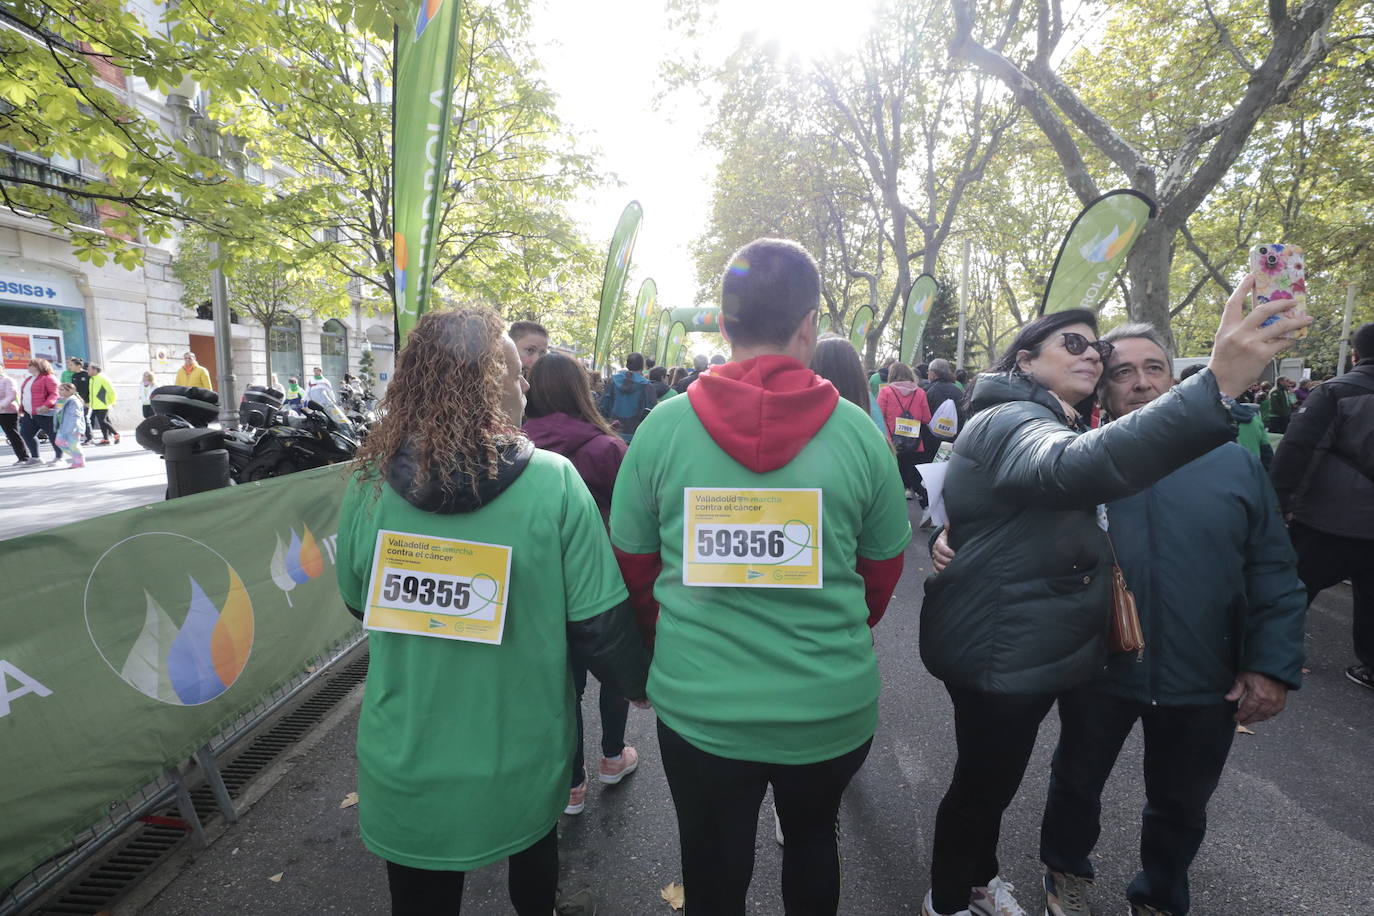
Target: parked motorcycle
291	440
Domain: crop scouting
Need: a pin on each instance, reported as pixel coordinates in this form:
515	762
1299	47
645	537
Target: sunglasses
1077	343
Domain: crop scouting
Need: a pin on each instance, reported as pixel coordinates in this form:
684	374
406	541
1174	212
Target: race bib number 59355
433	586
752	538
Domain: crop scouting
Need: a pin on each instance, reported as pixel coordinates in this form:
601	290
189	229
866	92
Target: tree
63	64
1219	78
268	287
513	167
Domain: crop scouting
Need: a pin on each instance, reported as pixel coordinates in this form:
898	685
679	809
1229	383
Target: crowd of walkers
625	508
67	411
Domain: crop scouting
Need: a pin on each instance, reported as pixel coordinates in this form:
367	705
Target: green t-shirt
464	748
772	674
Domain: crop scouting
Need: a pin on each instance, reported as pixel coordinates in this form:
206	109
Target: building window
334	351
52	172
284	345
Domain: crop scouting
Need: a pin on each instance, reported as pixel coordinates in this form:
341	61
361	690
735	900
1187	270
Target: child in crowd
69	424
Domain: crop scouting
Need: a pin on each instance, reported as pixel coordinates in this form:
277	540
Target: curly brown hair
443	403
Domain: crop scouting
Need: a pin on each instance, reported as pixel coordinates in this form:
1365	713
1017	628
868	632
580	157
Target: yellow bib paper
432	586
911	429
751	538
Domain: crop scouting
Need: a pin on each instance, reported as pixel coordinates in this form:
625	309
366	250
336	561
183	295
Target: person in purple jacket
561	417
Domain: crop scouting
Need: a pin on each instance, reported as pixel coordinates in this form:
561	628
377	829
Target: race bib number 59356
433	586
752	538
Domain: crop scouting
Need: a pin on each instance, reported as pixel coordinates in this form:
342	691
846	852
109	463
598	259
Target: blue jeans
1185	750
29	425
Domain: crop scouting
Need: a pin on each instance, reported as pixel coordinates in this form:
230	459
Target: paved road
115	477
1292	826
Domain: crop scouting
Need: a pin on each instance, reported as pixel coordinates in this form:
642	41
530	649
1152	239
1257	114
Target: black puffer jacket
1024	607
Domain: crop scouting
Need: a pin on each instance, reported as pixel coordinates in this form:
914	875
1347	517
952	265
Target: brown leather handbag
1127	635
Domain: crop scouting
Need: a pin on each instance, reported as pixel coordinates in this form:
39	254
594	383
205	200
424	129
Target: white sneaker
995	900
55	462
928	908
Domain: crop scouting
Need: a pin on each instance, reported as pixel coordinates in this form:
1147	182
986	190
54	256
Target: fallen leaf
1307	671
310	669
1241	729
674	895
349	801
276	879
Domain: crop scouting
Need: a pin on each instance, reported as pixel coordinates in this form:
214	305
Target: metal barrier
171	787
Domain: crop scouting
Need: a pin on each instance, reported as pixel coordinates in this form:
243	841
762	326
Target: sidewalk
115	477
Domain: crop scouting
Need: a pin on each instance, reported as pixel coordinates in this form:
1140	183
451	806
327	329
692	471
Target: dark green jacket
1215	579
1024	607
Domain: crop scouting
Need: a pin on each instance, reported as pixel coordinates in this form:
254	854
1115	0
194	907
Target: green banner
665	322
677	343
645	307
425	56
858	331
617	271
139	636
698	321
914	318
1094	248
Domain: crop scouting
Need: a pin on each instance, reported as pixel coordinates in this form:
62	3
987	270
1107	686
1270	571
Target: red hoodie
762	412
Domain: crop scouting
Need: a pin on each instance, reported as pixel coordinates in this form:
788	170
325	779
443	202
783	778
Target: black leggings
100	421
9	422
532	879
717	801
995	733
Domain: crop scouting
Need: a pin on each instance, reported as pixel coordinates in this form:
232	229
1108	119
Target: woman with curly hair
466	729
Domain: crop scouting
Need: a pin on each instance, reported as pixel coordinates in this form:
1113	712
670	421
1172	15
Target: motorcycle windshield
324	397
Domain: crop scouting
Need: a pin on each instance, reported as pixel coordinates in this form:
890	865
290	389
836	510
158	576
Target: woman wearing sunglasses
1024	610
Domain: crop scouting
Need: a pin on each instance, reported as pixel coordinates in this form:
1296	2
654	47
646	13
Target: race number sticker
433	586
751	538
909	428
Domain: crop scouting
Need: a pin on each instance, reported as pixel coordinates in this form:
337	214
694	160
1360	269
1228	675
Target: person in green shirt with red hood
480	568
760	527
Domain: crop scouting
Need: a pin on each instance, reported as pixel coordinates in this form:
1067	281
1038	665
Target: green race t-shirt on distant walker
777	674
463	747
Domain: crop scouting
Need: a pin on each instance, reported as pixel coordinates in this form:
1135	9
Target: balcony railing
13	165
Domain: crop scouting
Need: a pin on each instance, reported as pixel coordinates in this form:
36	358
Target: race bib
903	426
433	586
751	538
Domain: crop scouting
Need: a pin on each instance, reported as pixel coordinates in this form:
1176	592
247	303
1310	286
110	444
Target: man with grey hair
945	421
1223	644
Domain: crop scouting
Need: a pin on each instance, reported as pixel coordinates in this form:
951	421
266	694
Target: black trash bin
197	461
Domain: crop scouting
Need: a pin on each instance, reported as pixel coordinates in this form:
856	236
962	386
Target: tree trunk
267	352
1148	267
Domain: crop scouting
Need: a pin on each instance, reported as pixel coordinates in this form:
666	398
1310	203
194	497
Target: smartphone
1280	273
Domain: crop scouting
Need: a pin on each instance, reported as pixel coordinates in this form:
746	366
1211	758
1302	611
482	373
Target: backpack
906	443
944	422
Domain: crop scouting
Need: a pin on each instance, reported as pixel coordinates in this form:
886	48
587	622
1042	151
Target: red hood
762	411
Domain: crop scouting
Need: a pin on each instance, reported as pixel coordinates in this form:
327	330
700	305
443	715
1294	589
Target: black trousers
1325	559
1185	750
9	422
532	880
995	734
717	801
615	710
100	420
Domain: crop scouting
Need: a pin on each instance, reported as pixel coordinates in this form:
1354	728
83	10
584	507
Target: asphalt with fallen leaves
1291	827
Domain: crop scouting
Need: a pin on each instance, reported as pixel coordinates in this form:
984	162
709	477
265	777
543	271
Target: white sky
602	58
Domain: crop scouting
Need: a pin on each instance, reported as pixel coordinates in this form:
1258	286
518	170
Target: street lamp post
204	133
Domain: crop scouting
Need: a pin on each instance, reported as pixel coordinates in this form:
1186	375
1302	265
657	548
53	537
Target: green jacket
102	393
1207	614
1024	607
